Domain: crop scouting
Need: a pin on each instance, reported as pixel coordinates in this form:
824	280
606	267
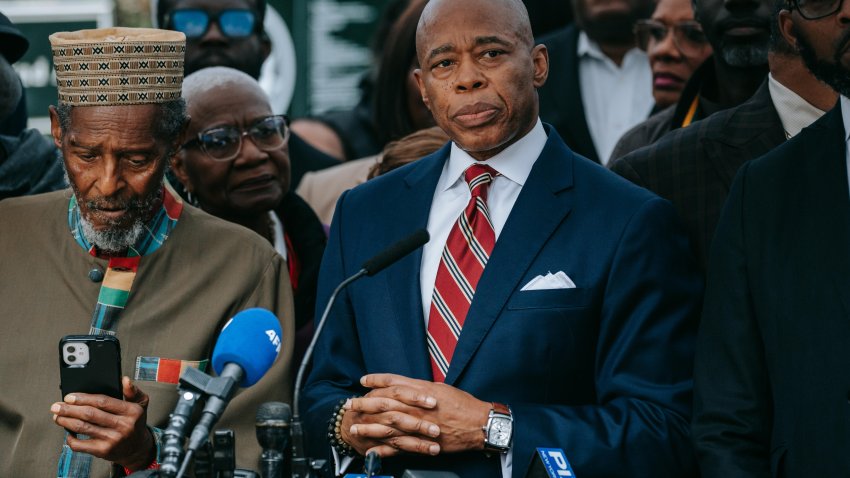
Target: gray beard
114	239
744	56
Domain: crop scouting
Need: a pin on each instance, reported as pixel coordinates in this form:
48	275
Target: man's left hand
117	429
459	415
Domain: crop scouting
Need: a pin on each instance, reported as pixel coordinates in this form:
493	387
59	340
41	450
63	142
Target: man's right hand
370	422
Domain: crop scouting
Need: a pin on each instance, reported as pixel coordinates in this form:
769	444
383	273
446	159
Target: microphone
273	435
395	252
373	464
246	349
300	465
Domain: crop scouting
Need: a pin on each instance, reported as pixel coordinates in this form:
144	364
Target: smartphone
90	364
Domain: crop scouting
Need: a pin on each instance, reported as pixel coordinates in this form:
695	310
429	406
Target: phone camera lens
72	358
71	349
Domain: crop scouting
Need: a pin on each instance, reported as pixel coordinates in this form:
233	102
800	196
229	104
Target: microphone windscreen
396	251
251	340
274	413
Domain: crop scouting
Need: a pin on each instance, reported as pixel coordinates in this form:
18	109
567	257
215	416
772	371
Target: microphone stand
300	462
301	465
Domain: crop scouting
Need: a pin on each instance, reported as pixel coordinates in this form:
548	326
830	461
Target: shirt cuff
340	463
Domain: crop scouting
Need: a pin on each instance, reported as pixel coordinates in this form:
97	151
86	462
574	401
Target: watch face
500	432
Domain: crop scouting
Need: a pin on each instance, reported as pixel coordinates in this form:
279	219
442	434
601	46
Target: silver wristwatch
499	429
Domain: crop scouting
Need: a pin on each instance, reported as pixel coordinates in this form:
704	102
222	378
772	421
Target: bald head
198	85
511	12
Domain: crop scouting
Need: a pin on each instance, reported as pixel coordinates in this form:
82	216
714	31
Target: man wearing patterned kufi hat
119	253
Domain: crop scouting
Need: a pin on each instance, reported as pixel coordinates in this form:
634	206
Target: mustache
106	203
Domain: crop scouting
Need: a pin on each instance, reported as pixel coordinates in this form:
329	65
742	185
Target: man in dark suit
558	290
771	386
693	167
583	56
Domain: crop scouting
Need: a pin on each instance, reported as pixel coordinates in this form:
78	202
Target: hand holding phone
93	404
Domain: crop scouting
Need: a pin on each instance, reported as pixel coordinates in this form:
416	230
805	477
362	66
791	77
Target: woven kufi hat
118	66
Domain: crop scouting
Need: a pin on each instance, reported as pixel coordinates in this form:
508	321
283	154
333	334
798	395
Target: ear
178	166
55	127
786	27
540	60
417	74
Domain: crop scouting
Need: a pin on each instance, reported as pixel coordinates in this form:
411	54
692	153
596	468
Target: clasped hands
117	429
405	415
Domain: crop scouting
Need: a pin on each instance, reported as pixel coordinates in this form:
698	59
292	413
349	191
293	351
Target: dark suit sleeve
337	359
639	425
624	168
732	405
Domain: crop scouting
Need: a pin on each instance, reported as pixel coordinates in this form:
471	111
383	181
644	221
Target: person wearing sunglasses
219	32
676	46
738	32
772	393
235	165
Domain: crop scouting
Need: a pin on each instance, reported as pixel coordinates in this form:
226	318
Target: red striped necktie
465	255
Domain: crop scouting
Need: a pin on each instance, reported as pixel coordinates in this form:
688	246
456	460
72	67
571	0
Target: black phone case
102	375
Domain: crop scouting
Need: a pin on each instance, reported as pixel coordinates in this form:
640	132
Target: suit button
96	275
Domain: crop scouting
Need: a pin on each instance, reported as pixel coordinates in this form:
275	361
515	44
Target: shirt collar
845	116
795	113
514	163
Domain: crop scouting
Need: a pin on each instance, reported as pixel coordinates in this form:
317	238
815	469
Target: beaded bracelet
334	427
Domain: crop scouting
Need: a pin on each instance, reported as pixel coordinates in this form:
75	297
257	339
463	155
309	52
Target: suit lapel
411	210
542	205
753	131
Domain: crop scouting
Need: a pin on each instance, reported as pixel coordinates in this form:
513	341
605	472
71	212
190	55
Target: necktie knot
479	175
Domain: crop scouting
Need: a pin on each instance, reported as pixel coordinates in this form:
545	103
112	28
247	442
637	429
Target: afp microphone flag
251	339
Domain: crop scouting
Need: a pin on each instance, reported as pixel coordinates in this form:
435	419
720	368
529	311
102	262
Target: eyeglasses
687	36
816	9
224	142
195	23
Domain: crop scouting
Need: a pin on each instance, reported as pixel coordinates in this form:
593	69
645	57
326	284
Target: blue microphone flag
251	339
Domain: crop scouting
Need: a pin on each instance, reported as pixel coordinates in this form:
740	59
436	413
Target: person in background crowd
600	83
739	34
771	369
398	109
450	353
676	46
409	149
322	189
693	167
230	33
235	165
28	162
13	45
119	253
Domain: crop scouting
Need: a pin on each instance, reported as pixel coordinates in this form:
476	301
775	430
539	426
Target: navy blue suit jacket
602	371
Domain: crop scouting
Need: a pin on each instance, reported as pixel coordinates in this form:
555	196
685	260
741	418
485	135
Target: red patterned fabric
464	257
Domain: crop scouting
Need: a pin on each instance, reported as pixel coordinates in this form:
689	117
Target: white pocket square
559	280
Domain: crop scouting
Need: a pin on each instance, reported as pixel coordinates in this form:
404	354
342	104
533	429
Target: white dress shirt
845	116
795	113
279	238
615	98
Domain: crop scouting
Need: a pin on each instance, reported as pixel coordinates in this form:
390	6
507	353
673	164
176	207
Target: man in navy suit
575	331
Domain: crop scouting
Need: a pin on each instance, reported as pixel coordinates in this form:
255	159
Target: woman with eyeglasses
235	165
676	46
